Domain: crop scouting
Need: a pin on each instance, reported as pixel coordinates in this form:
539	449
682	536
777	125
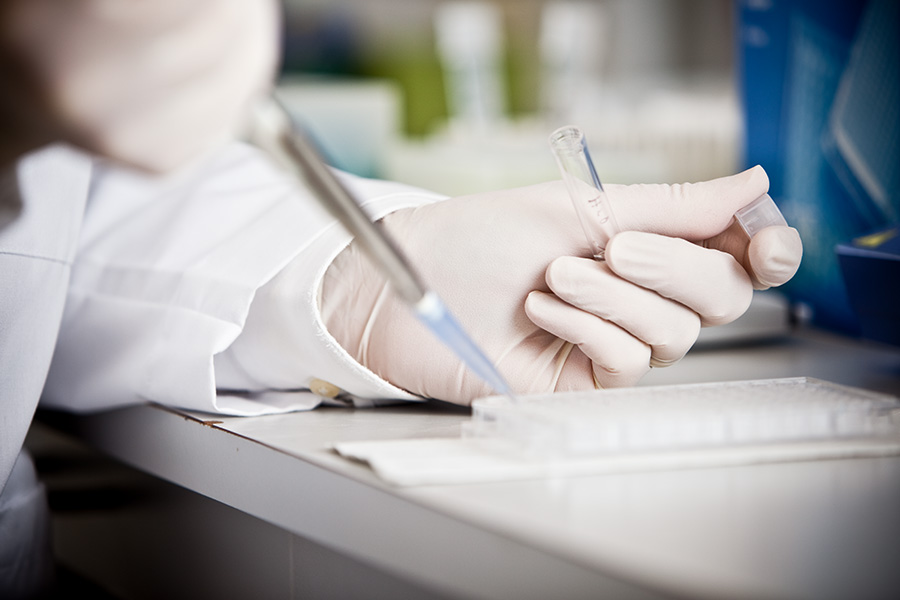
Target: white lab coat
38	241
159	277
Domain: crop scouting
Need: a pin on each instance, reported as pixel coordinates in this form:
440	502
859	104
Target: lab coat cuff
285	358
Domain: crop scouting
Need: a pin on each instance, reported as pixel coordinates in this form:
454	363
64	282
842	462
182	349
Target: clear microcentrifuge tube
574	160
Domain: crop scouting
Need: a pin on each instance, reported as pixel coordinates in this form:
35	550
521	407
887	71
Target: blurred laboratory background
460	97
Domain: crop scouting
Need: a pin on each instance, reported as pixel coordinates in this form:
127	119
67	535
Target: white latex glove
513	267
152	84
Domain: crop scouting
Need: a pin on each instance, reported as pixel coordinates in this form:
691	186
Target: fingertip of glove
535	297
562	271
615	248
757	174
620	243
538	305
661	363
630	248
775	255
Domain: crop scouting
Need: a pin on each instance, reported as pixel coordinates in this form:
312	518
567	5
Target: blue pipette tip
434	314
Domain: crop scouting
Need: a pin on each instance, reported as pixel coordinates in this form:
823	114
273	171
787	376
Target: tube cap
759	214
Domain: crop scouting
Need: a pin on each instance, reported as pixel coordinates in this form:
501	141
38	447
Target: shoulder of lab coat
166	274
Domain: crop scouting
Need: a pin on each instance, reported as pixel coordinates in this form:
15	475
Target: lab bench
194	505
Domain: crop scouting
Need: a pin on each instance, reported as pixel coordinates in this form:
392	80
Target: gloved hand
152	84
513	267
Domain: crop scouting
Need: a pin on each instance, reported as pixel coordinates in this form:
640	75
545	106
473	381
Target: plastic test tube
570	149
574	160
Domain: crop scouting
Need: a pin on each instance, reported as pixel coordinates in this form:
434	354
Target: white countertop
795	530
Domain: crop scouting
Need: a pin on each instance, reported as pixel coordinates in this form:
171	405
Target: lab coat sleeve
166	274
42	200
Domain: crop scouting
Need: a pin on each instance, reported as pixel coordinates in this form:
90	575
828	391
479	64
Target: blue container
820	91
871	269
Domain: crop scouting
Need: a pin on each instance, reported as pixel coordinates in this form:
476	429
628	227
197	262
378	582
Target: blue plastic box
871	269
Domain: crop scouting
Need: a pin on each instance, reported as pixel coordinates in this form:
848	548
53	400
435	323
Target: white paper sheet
442	461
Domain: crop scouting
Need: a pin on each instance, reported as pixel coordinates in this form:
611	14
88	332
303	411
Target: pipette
595	213
273	131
